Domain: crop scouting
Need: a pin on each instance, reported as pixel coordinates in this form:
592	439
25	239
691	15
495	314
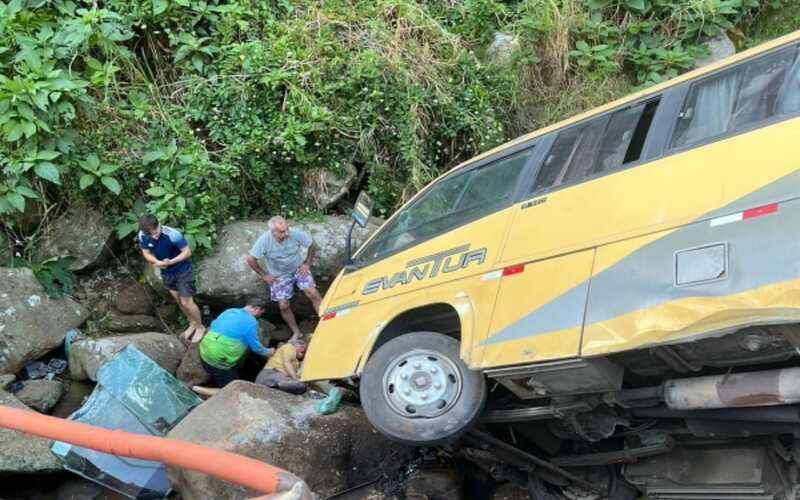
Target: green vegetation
206	110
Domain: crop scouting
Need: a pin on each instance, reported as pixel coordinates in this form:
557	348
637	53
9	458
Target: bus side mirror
361	213
363	209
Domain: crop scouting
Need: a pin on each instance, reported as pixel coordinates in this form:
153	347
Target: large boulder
326	187
86	356
134	299
718	48
224	278
130	323
502	48
330	452
191	371
31	323
41	395
22	453
81	232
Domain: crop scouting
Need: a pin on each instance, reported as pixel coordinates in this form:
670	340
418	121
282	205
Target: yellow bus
645	254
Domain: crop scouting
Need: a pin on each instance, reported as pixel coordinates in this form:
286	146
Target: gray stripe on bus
635	283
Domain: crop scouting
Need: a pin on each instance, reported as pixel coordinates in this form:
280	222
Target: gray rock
190	370
86	356
502	48
510	491
134	299
31	323
224	278
6	379
23	453
41	395
326	187
90	249
434	482
134	323
329	452
718	48
81	489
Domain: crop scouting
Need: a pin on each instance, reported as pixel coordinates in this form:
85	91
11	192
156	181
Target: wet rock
86	356
41	395
718	48
329	452
190	370
134	323
23	453
502	48
224	278
510	491
326	187
435	483
31	323
90	249
134	299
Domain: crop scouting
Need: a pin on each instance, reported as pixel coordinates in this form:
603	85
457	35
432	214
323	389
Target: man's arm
186	253
255	345
255	266
149	257
288	362
305	267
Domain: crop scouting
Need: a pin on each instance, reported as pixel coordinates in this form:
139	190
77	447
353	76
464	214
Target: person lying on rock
283	368
289	253
166	249
228	339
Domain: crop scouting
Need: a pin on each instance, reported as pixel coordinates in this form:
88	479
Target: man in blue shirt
167	249
228	339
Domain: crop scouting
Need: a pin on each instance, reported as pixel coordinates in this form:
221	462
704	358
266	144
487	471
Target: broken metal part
766	388
532	460
785	414
563	377
591	427
663	443
637	398
720	429
535	412
674	360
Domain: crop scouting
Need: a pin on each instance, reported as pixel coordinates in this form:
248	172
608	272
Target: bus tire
416	390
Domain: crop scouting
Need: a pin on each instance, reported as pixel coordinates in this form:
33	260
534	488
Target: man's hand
304	270
268	279
161	264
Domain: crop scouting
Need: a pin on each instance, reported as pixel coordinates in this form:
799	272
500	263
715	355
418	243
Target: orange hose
228	466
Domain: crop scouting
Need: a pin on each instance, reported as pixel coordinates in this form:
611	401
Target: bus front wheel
416	389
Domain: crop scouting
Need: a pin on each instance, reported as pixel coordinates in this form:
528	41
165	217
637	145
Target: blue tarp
133	394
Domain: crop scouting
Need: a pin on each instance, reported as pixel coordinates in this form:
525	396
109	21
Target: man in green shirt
228	338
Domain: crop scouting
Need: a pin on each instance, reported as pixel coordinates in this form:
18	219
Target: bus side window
789	100
733	100
572	155
625	135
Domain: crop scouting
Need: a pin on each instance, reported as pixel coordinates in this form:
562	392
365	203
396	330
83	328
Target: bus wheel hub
421	383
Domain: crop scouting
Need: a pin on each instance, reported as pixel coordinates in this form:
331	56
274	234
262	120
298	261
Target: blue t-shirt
238	324
168	245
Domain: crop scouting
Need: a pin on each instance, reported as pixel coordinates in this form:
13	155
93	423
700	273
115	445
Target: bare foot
187	334
199	333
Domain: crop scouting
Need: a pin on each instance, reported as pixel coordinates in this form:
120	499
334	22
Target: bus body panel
607	264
